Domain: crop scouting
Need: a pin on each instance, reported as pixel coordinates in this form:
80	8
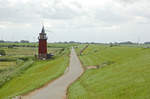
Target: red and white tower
42	52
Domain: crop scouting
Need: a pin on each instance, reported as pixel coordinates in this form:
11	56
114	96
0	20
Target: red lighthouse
42	45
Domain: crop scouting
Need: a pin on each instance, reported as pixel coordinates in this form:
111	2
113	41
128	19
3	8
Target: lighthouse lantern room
42	51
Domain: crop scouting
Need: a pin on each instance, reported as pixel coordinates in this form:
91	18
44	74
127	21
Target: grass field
125	75
7	64
23	76
50	45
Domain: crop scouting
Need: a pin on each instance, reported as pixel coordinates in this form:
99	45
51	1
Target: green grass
37	75
26	51
18	77
51	45
12	54
6	64
6	74
126	74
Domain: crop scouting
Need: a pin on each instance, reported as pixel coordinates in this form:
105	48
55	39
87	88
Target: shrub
2	52
10	46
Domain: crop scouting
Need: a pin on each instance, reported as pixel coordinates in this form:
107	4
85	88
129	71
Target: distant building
42	51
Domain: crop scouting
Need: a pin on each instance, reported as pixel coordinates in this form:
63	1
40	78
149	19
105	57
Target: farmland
123	73
21	72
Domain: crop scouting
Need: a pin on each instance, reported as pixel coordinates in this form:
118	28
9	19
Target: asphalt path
57	89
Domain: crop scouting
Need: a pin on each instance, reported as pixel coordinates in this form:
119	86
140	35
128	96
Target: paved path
57	89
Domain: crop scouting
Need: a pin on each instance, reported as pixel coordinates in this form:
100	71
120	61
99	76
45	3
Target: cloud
37	10
110	16
128	1
67	17
59	12
2	26
18	13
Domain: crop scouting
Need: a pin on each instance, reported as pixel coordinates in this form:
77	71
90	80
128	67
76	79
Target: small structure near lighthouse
42	51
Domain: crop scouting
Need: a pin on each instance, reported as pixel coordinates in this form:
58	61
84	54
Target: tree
2	41
127	42
146	42
111	45
24	41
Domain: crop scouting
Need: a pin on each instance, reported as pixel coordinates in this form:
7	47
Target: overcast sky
76	20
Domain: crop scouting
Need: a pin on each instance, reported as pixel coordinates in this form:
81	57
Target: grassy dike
40	73
125	75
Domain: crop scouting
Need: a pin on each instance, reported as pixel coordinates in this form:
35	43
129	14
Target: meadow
123	73
49	45
21	72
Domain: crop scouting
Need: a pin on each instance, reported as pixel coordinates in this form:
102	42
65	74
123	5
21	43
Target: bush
2	52
10	46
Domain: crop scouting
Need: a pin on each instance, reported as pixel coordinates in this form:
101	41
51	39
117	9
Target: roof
43	30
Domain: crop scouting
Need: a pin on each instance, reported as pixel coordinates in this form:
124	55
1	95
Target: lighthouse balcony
43	37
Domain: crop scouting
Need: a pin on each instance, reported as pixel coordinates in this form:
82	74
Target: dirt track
57	89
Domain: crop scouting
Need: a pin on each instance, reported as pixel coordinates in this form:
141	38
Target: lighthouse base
42	56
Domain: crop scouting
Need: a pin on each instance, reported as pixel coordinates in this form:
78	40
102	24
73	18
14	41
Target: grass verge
126	76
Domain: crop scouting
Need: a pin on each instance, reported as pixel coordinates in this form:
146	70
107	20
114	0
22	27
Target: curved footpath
58	88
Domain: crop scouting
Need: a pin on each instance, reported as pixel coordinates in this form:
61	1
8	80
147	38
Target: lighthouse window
42	36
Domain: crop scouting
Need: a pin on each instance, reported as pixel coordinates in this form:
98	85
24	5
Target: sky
76	20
